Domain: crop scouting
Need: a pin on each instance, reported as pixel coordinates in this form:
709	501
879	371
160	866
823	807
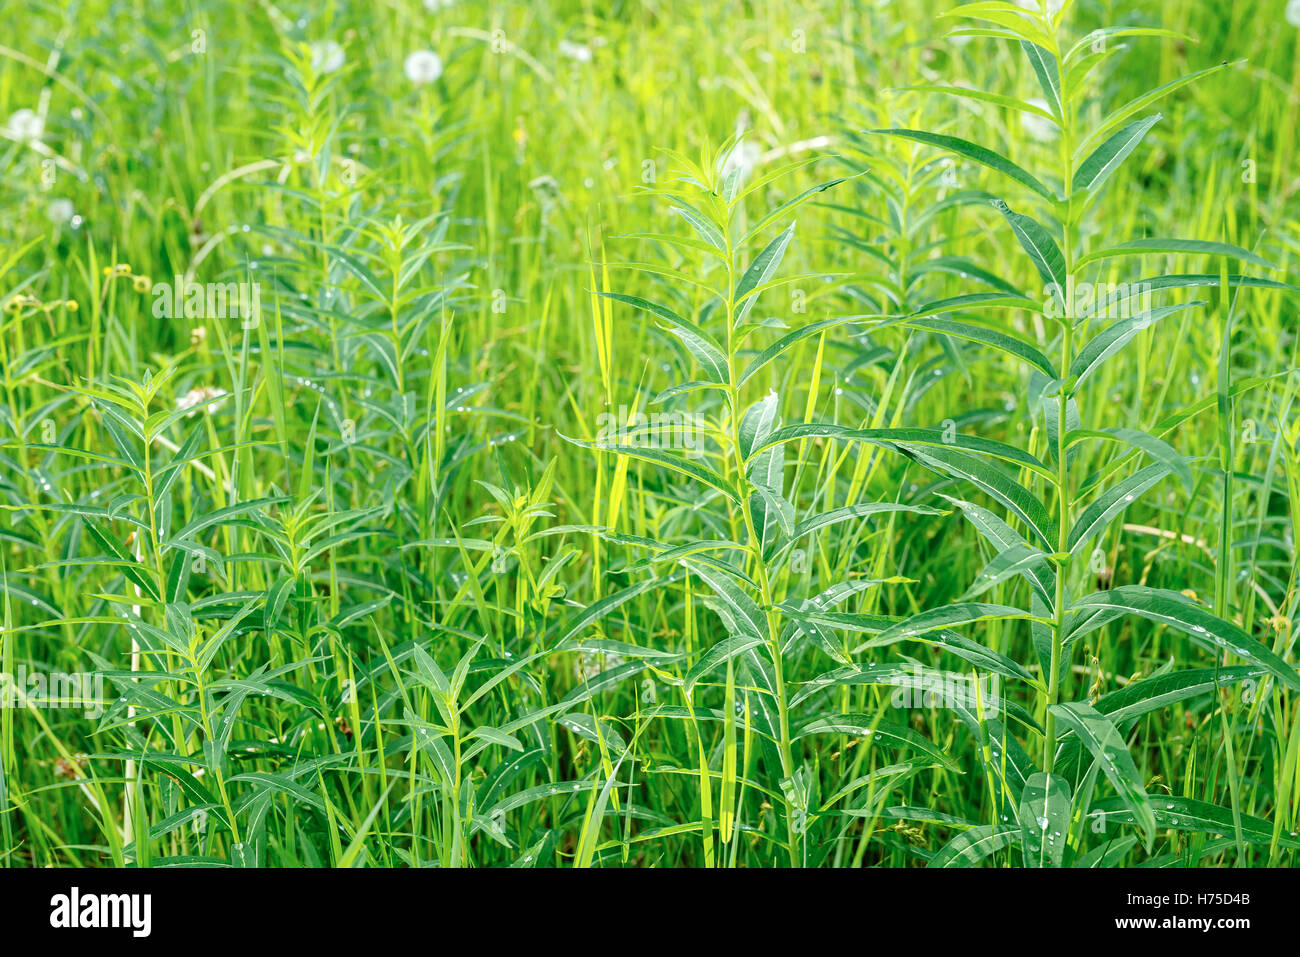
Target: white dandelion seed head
327	57
60	211
1293	13
200	395
423	66
433	6
1038	127
579	52
26	125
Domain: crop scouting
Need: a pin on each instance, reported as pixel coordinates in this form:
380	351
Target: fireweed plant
427	470
750	564
1044	792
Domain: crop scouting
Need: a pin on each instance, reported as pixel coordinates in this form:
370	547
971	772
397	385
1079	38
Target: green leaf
1015	559
1106	744
972	151
1174	610
789	205
760	271
1189	247
1112	502
758	423
1041	577
599	609
1044	819
717	654
1096	169
847	513
1115	336
1117	118
749	616
791	338
711	360
1159	691
1189	814
665	314
998	485
866	726
1040	247
703	226
968	848
889	674
1001	341
674	463
1159	450
1048	72
947	616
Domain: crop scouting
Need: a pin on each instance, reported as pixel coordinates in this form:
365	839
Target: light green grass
368	581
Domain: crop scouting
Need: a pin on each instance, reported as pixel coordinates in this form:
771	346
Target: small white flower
26	125
198	396
60	211
1038	127
1293	13
575	51
423	66
326	57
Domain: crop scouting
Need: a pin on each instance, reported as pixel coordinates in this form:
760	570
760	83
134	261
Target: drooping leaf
1104	742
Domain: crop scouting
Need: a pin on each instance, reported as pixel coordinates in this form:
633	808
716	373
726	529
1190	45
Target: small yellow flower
141	283
71	305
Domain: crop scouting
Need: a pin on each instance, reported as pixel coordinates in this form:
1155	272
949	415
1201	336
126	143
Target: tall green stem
755	545
1063	496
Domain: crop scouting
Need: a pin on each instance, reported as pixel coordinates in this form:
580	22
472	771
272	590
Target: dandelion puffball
60	211
1293	13
1038	127
26	125
326	57
423	66
575	51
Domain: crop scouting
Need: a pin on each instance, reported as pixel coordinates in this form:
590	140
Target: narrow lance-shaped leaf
970	847
1154	245
1048	72
760	271
995	338
674	463
1097	168
1115	336
997	484
972	151
1112	502
1174	610
1041	248
1044	819
1107	746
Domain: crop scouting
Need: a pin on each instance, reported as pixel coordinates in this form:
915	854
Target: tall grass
664	436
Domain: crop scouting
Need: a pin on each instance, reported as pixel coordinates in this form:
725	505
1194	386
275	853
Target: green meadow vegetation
649	434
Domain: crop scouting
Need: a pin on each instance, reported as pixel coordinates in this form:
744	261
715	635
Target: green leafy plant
1045	804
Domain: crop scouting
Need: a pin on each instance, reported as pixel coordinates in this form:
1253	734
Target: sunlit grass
523	434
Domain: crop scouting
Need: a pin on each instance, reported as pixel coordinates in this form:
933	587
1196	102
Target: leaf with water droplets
1044	819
